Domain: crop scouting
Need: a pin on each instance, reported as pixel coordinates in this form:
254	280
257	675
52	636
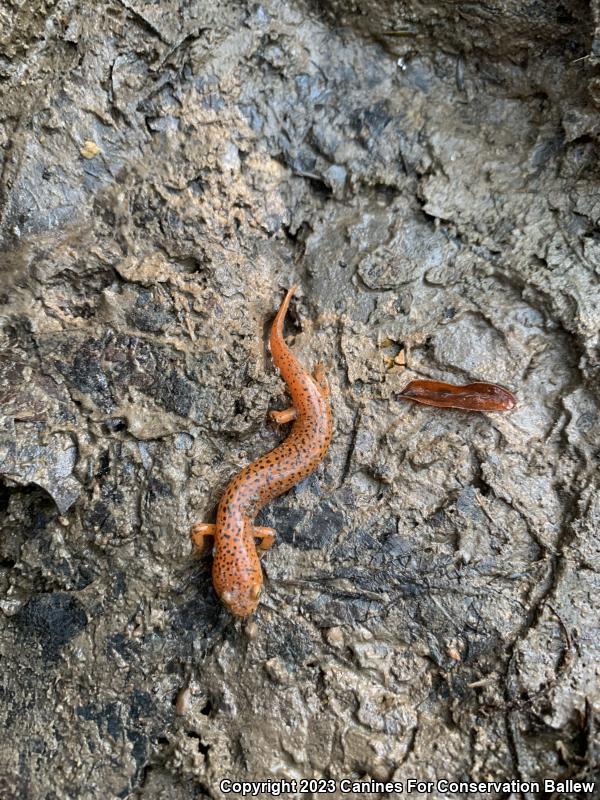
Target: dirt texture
428	174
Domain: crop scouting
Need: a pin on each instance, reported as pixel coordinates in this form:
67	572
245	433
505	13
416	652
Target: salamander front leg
281	417
199	533
266	536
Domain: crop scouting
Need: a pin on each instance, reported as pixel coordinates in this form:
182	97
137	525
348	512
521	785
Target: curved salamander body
237	574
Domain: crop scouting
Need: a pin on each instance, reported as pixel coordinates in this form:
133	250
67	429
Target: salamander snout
242	599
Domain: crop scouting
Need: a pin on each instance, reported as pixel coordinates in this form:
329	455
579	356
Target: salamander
471	396
236	572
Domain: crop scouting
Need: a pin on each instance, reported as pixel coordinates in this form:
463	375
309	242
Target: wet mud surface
428	175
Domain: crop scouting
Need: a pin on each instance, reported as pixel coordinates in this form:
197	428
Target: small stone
183	701
335	637
89	149
379	771
251	630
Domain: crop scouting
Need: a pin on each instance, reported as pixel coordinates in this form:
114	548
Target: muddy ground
428	174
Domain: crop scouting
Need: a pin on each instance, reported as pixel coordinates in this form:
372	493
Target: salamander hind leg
199	533
281	417
321	379
266	536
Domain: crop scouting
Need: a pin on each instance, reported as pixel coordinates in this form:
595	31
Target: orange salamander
237	574
479	396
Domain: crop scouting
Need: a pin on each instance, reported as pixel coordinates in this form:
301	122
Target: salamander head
242	600
237	574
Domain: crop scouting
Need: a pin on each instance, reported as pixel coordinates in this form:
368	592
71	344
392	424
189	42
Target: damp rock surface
427	174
